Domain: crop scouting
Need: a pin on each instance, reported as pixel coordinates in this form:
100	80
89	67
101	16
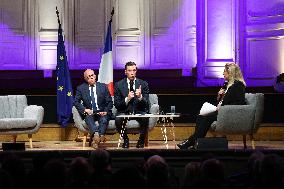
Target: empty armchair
132	125
241	119
16	117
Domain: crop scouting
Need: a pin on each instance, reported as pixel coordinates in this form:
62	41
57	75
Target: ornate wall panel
16	35
129	32
164	30
264	47
47	29
217	29
188	9
263	55
90	27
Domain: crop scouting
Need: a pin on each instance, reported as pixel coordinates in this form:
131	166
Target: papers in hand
207	109
149	114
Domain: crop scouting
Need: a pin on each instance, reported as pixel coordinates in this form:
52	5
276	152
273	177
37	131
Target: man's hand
88	111
130	95
138	92
102	113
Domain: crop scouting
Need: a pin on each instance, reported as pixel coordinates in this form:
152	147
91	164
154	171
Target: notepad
207	109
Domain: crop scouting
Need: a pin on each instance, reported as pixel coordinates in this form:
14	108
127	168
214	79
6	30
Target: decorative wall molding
129	33
261	53
217	39
264	44
16	35
159	33
164	32
46	31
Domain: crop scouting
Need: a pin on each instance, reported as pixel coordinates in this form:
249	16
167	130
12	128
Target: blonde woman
233	93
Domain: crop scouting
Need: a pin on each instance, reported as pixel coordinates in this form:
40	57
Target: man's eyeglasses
89	76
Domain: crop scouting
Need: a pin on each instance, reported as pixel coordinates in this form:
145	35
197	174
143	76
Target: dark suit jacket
104	100
121	92
235	94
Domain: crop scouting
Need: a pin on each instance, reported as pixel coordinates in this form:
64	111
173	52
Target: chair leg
30	140
146	140
14	138
85	140
252	141
78	138
245	141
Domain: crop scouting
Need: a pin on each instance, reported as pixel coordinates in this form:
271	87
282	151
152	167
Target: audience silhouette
96	172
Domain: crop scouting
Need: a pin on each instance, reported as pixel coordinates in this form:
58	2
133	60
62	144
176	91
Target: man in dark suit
94	103
131	96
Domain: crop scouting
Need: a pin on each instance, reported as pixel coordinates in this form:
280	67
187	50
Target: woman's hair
235	73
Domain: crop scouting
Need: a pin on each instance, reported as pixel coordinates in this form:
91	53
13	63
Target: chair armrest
235	119
78	119
154	109
34	112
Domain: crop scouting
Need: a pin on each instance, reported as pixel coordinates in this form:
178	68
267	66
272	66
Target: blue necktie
94	106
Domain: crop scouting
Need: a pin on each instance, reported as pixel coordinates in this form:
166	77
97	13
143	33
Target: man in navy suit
94	103
131	96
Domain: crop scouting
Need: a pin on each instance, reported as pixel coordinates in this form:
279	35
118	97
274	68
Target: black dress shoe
125	143
187	144
140	143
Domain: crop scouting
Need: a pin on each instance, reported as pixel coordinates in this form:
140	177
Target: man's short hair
130	63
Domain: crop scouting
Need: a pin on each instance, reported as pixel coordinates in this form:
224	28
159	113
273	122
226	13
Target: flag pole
57	14
111	14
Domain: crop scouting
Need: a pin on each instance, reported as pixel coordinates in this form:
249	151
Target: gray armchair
16	117
241	119
132	125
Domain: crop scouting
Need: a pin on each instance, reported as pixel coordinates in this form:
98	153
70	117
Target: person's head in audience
253	165
157	171
272	171
90	76
128	178
212	169
55	170
212	175
191	174
233	72
100	160
79	171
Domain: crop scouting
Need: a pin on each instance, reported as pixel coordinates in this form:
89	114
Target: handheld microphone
225	85
131	85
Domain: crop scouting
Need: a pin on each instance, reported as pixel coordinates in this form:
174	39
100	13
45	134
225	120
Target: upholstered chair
132	125
241	119
16	117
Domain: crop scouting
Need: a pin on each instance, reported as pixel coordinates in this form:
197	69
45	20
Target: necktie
131	83
131	102
94	106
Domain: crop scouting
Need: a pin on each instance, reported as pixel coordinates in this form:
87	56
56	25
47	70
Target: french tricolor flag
106	67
